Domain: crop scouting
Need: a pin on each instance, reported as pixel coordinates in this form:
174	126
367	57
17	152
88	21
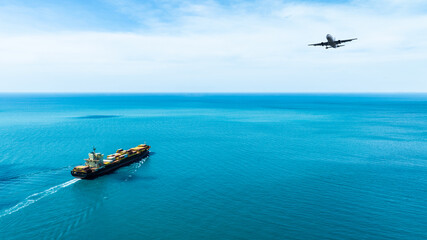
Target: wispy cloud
209	46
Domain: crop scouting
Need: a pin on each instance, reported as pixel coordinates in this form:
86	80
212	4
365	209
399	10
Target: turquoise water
223	167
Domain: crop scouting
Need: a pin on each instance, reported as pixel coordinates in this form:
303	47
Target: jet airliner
332	43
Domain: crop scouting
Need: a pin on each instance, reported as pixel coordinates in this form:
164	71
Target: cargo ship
96	165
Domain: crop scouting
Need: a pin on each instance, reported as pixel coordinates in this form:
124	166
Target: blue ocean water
232	166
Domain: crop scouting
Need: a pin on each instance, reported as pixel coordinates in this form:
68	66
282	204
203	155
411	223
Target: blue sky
212	46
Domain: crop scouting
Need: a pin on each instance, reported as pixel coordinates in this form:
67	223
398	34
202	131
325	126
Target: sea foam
36	197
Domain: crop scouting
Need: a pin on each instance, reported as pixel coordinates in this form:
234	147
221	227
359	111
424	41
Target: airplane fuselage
331	41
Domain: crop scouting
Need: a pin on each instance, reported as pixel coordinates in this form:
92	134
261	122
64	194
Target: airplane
332	43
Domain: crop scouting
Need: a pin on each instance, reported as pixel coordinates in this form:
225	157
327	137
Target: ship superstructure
96	165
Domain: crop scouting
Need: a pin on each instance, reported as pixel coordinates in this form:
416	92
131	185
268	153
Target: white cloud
208	47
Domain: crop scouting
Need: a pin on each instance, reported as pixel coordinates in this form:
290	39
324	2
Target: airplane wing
343	41
319	44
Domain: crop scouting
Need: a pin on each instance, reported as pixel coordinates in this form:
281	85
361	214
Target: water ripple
36	197
97	116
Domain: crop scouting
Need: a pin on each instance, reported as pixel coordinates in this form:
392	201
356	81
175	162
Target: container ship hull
86	172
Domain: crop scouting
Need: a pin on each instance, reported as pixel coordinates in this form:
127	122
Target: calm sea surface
222	167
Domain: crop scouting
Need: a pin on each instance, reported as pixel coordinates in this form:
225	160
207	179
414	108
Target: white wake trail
36	196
